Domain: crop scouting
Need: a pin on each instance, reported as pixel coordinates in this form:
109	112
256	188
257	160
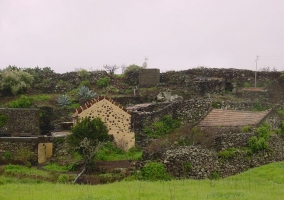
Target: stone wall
20	121
19	150
197	163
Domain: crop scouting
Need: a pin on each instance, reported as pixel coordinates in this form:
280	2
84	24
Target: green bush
103	82
3	119
23	102
83	73
257	144
15	80
263	132
87	136
227	154
85	83
154	171
246	129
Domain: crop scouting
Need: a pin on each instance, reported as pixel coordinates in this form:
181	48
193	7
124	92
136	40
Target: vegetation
111	68
23	102
87	135
259	107
63	100
265	182
228	153
3	119
154	171
163	127
103	82
246	129
109	152
259	142
14	80
132	68
86	93
83	73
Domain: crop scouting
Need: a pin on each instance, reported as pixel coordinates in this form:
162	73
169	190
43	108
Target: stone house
222	121
116	118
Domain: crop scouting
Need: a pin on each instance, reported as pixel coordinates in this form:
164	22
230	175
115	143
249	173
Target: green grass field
266	182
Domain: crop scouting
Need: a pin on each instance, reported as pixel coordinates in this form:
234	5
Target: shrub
154	171
15	80
246	129
103	82
263	132
87	136
23	102
85	83
131	68
3	119
257	144
227	154
83	73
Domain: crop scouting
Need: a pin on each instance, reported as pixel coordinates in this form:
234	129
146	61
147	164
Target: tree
87	137
111	68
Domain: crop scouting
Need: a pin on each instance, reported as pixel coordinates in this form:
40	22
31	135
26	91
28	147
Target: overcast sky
174	34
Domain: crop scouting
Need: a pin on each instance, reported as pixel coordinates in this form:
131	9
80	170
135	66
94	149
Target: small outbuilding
234	120
116	118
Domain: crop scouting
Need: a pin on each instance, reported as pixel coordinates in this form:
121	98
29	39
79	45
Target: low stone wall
19	150
232	140
21	120
197	163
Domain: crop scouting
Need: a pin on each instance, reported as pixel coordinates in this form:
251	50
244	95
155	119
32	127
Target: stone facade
116	118
20	121
149	77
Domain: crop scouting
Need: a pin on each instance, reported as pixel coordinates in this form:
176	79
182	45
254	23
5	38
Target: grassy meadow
265	182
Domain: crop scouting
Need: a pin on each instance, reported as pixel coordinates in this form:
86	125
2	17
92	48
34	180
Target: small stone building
149	77
116	118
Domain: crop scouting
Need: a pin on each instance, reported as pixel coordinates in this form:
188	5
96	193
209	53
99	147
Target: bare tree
110	68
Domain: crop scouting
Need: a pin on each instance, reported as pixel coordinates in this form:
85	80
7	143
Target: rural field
265	182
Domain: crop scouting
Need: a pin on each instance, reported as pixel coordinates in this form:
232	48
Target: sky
67	35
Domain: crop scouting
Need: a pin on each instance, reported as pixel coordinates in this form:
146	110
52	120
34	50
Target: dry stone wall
20	120
18	150
198	163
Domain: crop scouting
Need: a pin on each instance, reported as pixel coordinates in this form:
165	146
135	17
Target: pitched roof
233	118
93	101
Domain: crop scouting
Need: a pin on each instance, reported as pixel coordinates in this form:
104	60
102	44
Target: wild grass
109	152
56	167
261	183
